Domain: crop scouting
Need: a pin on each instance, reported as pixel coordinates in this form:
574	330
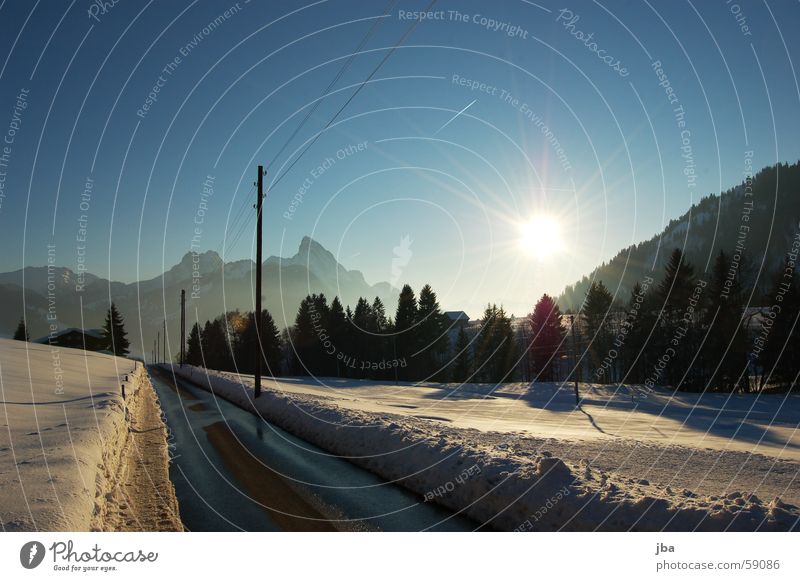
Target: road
233	471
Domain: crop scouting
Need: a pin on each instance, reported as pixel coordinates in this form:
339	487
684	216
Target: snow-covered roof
95	333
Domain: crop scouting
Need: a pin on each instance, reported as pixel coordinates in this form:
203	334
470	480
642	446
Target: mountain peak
307	244
204	262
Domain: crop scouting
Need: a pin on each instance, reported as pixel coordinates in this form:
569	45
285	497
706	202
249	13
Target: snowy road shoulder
509	491
63	434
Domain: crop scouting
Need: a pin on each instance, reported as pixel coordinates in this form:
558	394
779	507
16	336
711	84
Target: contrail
454	116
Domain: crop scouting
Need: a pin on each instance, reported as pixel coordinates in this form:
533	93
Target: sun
541	237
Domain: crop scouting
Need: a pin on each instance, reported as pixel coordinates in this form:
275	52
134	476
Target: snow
766	425
521	459
62	429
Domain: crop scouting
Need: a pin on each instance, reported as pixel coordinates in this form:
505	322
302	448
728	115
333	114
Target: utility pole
183	326
574	360
394	348
259	205
158	345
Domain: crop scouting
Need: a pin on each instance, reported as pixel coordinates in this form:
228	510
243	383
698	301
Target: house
457	318
88	339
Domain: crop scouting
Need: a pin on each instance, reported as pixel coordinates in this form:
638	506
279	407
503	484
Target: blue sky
550	128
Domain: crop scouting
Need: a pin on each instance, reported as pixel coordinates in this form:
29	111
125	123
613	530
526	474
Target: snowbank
62	430
508	491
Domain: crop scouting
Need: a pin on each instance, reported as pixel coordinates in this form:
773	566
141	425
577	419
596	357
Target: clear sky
568	115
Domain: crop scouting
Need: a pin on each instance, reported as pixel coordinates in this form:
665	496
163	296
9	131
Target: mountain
212	287
760	217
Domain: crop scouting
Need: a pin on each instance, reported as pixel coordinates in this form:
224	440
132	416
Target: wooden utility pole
183	326
259	204
574	360
158	346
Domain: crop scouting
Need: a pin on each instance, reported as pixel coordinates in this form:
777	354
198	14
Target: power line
242	207
240	232
236	222
346	103
356	52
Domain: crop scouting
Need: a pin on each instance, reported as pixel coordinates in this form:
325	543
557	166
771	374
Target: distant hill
219	287
715	222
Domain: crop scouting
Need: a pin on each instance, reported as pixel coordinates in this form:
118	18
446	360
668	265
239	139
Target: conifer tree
724	354
779	358
270	344
677	335
362	339
547	337
303	338
379	322
496	348
431	334
404	339
596	313
21	334
337	328
675	289
194	355
114	334
636	350
216	354
462	366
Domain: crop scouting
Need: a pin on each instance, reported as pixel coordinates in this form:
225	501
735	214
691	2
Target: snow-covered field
62	430
525	459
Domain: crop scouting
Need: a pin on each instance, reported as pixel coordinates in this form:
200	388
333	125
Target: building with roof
76	338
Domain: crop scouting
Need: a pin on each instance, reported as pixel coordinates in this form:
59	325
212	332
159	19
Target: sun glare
541	238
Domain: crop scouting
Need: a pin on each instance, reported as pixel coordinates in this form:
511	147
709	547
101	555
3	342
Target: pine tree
675	294
675	289
381	339
779	358
496	349
337	328
194	355
323	362
724	354
215	346
303	338
547	337
362	339
311	338
596	313
271	348
114	334
636	351
431	334
404	334
406	314
21	334
270	344
379	322
462	366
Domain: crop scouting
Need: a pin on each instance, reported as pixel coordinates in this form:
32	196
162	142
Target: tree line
364	342
687	331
